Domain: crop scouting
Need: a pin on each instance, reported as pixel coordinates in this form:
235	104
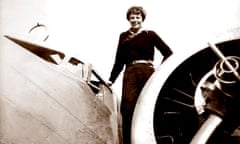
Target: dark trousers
135	77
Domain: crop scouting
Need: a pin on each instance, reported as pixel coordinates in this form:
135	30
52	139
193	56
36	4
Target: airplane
172	107
48	99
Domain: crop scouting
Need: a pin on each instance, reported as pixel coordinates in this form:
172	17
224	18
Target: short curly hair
136	10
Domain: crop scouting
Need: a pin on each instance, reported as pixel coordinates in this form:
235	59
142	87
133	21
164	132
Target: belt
142	61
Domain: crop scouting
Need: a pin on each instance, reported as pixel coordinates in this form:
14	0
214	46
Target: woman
136	52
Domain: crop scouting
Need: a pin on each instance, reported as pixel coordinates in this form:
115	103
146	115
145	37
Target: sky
89	30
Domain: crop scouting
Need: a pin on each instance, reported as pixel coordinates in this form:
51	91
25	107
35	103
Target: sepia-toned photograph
119	72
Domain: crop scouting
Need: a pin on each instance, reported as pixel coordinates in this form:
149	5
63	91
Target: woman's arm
161	45
119	61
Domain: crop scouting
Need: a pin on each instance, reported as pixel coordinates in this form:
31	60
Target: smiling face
135	21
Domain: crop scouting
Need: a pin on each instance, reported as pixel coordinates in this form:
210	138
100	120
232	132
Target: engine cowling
167	109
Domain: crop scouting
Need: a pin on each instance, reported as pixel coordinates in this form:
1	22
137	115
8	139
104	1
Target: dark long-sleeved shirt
139	47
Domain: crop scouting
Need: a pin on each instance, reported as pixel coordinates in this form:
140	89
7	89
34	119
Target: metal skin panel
42	103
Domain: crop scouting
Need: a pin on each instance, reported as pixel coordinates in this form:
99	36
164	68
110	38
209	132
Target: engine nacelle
171	105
